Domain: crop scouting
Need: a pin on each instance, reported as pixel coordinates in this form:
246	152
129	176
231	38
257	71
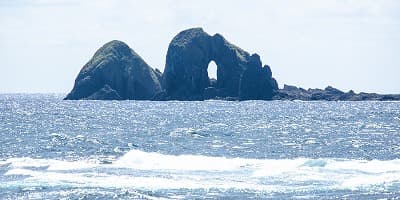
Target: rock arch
240	75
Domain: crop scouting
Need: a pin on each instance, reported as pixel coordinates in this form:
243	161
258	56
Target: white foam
27	162
50	164
138	169
154	161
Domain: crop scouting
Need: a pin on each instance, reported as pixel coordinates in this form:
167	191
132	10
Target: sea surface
55	149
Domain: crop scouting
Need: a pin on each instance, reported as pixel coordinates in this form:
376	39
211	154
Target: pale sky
347	44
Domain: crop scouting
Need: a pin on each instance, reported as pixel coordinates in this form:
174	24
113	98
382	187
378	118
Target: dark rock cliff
239	74
116	72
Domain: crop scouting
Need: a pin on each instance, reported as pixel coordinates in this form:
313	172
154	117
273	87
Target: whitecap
151	170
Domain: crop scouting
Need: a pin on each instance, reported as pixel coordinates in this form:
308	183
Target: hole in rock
212	70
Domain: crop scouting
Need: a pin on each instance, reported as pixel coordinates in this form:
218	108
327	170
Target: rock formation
329	94
239	74
116	72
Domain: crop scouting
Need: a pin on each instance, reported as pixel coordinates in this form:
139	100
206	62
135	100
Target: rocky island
116	72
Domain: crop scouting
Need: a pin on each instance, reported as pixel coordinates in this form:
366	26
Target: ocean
55	149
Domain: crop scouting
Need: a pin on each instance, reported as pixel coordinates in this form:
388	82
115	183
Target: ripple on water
317	147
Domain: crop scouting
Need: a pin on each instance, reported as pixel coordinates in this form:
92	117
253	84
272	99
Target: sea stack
116	72
239	74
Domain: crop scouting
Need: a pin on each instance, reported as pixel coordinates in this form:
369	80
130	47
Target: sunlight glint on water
214	149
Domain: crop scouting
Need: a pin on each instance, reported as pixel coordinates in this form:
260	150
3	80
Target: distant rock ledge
116	72
330	94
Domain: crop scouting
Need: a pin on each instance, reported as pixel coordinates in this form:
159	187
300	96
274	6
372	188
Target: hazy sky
346	44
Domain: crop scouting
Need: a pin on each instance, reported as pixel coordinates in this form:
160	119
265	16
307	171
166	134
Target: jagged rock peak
185	37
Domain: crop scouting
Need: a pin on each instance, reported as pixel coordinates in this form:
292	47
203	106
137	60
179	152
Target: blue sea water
54	149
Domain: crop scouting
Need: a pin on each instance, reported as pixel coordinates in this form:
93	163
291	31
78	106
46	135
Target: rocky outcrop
116	72
239	74
329	94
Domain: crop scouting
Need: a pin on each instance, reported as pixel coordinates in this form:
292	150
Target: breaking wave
143	170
